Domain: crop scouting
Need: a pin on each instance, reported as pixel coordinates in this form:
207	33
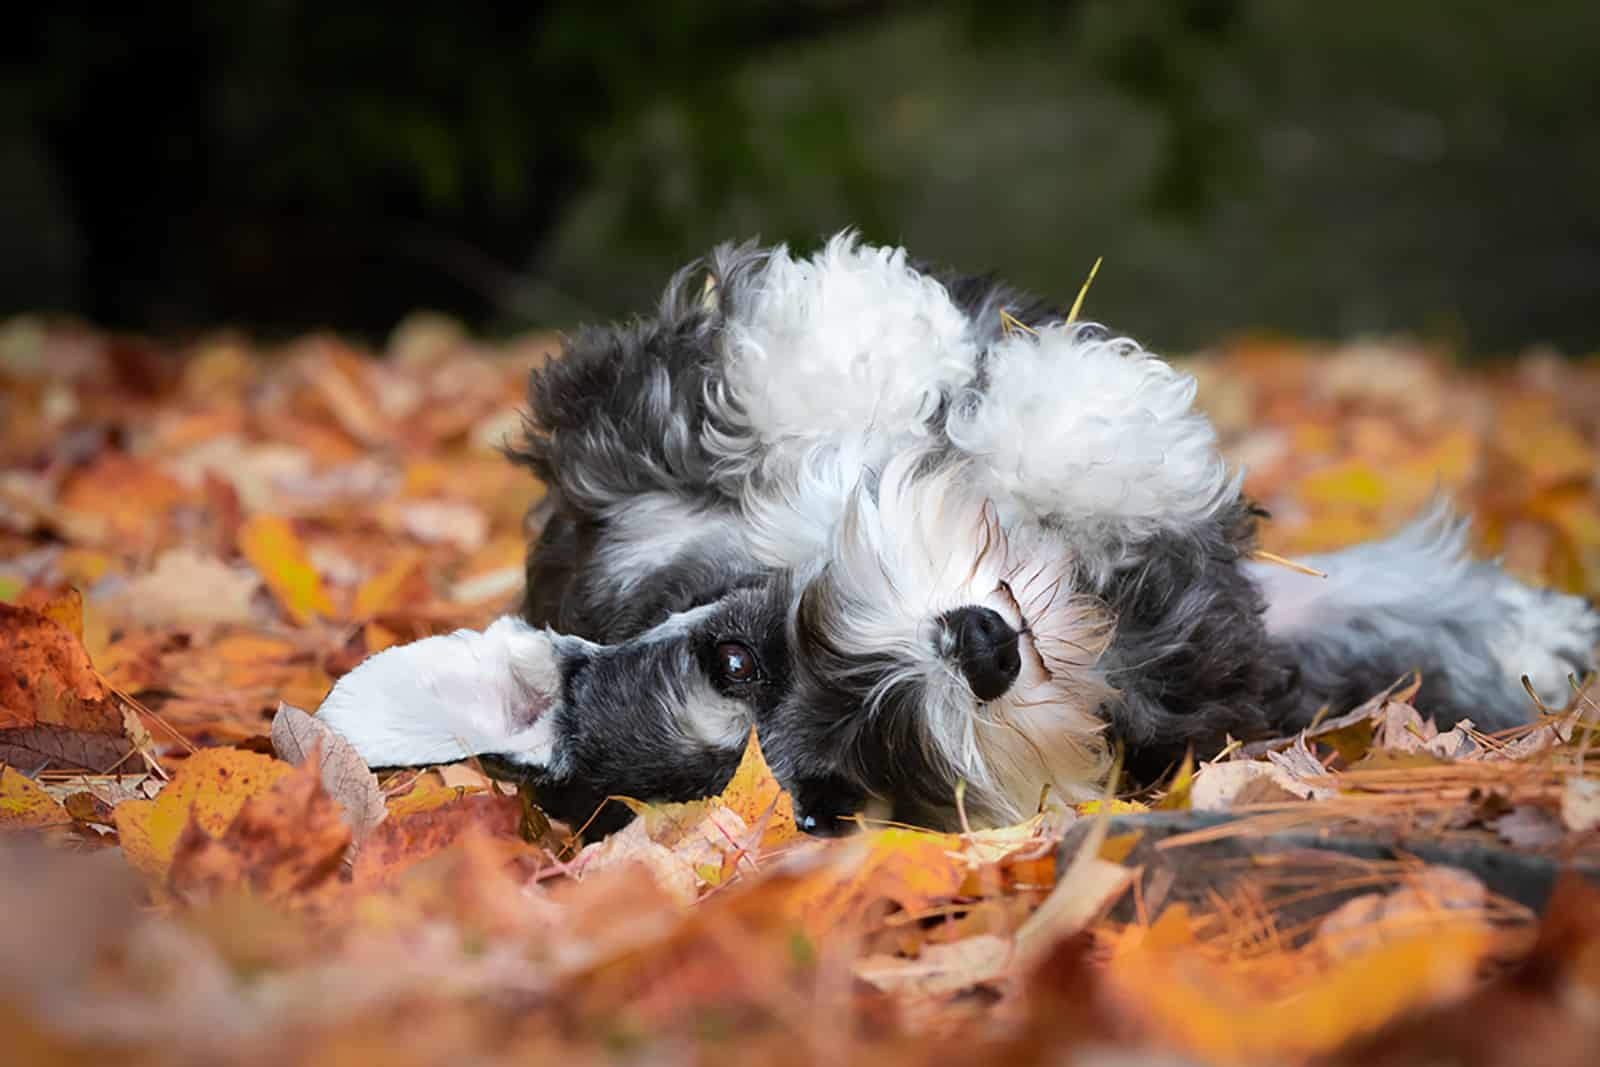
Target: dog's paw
1077	429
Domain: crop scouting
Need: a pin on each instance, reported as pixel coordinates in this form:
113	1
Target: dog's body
916	531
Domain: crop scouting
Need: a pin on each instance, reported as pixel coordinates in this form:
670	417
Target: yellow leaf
1112	806
752	792
426	794
277	554
211	787
25	806
1352	482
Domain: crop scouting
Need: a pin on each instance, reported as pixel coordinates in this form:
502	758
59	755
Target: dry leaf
54	708
1580	804
277	554
26	806
299	738
208	790
186	588
288	838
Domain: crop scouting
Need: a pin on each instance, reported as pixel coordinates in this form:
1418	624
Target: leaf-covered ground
191	539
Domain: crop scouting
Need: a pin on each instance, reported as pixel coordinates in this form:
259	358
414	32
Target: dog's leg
1417	602
1090	434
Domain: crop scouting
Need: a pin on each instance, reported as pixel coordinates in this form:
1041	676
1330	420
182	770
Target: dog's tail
1418	602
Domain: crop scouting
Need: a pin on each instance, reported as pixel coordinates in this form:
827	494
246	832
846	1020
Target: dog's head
928	647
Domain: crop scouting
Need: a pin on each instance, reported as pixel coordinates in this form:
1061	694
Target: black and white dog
916	530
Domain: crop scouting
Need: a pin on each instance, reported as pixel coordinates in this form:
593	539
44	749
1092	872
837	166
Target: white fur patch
927	544
850	349
453	696
713	719
1094	433
649	531
1420	590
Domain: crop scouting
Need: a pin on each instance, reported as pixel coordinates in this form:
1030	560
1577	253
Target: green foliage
1311	167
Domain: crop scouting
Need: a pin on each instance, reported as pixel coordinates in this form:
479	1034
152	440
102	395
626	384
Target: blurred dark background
1319	168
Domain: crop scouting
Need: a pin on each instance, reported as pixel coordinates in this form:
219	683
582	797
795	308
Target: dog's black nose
984	646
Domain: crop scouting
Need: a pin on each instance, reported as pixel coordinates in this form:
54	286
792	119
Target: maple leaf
208	791
288	838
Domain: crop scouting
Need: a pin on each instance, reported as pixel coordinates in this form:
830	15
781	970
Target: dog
931	541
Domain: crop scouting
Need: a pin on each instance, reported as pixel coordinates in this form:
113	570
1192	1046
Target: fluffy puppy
916	530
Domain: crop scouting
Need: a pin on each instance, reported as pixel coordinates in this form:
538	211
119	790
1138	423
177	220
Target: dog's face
878	675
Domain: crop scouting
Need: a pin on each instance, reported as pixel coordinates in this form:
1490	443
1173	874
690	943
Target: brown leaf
287	839
208	791
939	969
185	588
299	738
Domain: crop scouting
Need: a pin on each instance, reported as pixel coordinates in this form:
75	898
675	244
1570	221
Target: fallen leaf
939	969
397	843
208	790
908	869
276	552
1527	826
299	738
288	838
1429	897
26	806
1214	1014
756	797
186	588
1219	786
425	794
54	708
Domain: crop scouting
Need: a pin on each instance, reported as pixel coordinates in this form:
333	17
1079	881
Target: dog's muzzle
984	647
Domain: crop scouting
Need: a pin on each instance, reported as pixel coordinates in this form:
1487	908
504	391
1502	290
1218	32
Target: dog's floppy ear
457	695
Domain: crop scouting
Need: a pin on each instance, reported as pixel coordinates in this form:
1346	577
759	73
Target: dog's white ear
450	697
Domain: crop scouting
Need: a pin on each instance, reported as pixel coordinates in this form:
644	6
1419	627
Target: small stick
1272	557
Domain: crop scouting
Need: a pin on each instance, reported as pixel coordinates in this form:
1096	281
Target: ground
196	540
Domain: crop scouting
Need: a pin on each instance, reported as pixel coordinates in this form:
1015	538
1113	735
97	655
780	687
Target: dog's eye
736	662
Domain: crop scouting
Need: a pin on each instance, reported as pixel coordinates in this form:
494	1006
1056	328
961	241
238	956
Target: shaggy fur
837	499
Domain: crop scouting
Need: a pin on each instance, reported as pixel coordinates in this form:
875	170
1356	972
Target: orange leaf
277	554
378	592
285	839
1213	1013
397	842
909	868
53	706
209	789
